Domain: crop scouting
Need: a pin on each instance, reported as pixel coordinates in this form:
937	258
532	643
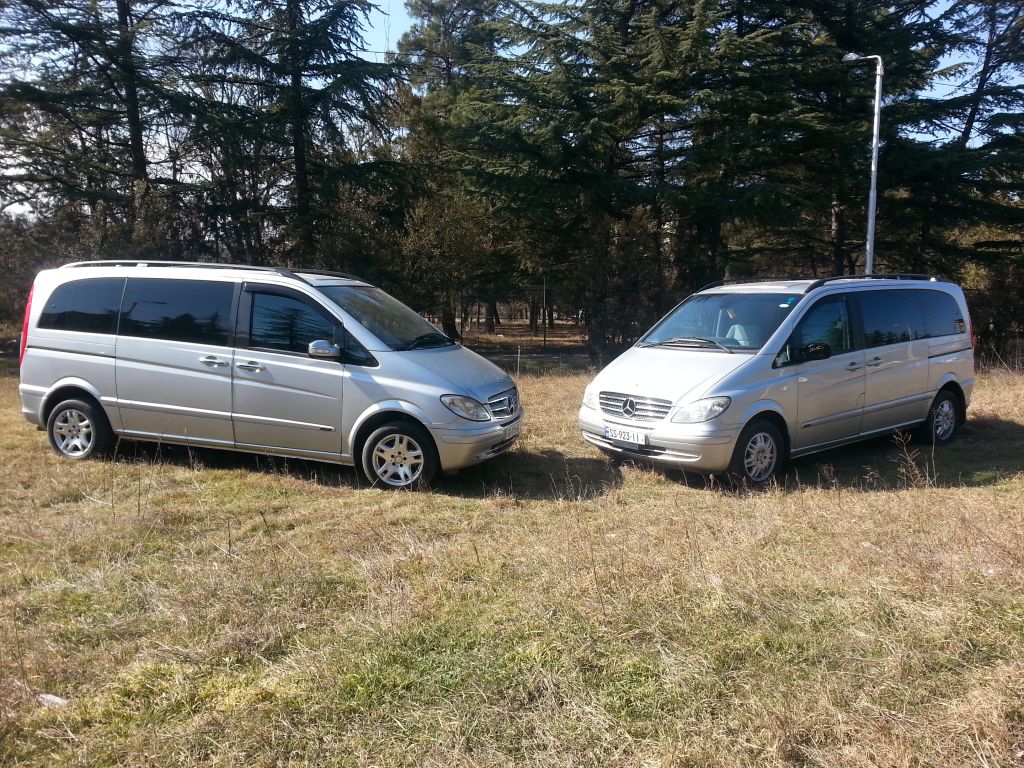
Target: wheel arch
70	389
952	385
375	418
771	412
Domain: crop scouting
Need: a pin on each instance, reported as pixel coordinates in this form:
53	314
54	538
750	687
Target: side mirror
322	349
815	351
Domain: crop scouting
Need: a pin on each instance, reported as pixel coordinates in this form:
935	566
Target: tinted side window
196	311
942	315
287	324
827	322
84	305
890	317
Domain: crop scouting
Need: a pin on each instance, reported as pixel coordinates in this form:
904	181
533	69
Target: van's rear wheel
78	430
759	454
943	420
399	454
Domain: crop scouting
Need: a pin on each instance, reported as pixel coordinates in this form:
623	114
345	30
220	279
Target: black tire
79	430
759	456
399	454
943	420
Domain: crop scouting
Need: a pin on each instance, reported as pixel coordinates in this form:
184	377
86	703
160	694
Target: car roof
137	267
806	285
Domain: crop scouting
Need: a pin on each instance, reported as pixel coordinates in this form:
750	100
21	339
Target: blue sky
385	26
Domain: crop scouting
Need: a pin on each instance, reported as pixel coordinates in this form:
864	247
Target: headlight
466	407
701	410
590	397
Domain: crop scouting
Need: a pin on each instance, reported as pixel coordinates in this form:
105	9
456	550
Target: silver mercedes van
304	363
739	377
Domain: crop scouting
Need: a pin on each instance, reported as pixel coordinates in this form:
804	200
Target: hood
465	370
677	375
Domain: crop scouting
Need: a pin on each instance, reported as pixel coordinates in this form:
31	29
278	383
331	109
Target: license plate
512	430
631	436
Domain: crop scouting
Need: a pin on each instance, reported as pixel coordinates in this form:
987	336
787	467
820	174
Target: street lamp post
869	251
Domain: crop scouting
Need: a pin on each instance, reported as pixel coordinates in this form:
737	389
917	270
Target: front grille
504	404
634	407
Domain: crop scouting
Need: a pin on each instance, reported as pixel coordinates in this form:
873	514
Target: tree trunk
297	115
130	81
492	319
983	78
449	323
838	237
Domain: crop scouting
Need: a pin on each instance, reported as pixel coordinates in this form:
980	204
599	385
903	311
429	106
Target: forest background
622	153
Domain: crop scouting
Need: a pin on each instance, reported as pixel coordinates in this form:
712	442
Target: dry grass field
546	609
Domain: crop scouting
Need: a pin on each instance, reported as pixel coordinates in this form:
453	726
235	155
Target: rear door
830	392
284	400
896	358
173	366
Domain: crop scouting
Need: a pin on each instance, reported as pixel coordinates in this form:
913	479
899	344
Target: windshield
386	317
723	322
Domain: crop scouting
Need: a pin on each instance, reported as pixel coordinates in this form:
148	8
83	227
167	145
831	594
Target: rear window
84	305
196	311
942	316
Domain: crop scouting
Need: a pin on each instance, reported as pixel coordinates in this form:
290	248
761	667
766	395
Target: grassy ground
544	609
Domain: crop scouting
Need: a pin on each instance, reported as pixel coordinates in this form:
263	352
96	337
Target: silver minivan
303	363
739	377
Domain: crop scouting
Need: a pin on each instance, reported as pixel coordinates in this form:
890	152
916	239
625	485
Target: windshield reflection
722	322
386	317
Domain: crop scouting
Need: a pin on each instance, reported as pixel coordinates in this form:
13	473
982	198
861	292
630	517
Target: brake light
24	327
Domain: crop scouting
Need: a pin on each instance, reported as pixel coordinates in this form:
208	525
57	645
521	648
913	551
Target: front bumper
458	448
697	447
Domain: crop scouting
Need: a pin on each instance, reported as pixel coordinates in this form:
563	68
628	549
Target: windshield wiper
430	339
690	340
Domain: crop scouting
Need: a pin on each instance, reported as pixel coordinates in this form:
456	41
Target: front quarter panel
759	388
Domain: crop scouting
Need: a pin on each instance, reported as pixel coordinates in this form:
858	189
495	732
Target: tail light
970	327
24	327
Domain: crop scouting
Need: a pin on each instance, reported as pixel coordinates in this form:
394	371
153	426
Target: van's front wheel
399	454
759	454
78	430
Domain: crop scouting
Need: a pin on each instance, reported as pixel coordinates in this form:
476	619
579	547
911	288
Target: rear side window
196	311
942	316
890	317
287	324
84	305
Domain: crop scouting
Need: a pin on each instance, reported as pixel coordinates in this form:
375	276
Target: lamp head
851	57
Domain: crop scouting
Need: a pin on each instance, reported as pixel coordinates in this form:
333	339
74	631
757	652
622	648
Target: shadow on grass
986	451
546	475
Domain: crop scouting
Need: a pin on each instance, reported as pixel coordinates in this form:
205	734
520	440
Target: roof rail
329	273
286	272
159	263
872	276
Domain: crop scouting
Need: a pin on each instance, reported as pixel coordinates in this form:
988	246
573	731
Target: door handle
874	362
212	360
250	365
852	366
